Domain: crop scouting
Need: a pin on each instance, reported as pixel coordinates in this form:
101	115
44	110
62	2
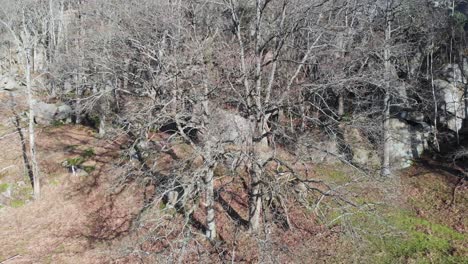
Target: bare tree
27	37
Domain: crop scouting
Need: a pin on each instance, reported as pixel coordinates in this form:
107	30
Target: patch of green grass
57	123
4	187
17	203
400	237
392	235
332	174
417	240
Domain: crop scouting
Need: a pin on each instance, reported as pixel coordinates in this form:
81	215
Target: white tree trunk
386	138
102	125
210	203
32	143
255	203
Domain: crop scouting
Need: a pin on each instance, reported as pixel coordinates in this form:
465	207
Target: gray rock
452	98
453	73
407	143
228	128
362	151
80	173
318	148
64	113
9	83
46	114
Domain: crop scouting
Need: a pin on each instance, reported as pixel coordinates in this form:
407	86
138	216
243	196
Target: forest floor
419	216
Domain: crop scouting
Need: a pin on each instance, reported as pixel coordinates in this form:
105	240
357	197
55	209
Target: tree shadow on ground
229	210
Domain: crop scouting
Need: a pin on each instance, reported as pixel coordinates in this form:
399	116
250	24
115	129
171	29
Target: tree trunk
255	203
465	94
386	138
385	171
102	125
210	202
79	74
436	106
341	104
32	144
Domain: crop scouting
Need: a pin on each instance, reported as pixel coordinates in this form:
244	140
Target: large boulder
64	113
225	127
9	83
451	94
47	114
407	142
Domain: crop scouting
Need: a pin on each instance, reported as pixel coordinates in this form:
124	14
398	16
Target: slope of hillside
96	217
81	219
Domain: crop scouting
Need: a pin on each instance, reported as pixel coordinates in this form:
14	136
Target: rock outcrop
362	152
407	142
451	89
451	96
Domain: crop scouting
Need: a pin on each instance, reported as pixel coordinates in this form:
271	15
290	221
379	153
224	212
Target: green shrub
89	169
75	162
88	153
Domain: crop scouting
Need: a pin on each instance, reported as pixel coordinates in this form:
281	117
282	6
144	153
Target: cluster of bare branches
237	81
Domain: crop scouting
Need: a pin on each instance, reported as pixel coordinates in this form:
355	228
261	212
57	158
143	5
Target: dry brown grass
75	215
